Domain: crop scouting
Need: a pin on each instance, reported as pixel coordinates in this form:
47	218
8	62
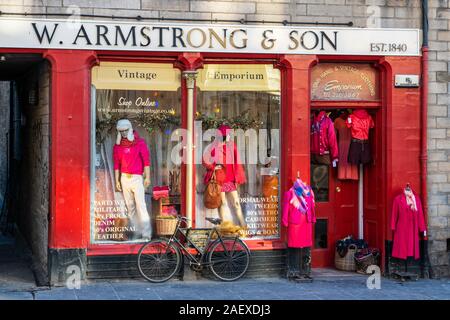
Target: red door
336	212
373	203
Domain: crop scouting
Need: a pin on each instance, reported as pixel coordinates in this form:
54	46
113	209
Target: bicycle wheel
158	261
228	260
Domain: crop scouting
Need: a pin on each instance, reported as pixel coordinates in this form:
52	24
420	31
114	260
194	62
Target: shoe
303	279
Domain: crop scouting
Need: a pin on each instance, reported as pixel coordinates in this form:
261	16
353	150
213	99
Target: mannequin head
124	130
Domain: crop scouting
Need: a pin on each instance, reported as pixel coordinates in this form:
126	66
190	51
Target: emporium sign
344	81
150	36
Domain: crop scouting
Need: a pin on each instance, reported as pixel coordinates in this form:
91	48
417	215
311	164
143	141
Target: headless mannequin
230	190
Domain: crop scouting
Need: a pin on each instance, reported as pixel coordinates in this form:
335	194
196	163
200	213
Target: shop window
320	182
246	99
321	234
135	111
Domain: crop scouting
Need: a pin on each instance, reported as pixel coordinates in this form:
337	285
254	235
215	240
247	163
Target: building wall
439	136
363	13
34	168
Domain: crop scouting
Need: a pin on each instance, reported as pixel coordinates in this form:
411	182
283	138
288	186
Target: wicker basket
347	262
165	227
365	258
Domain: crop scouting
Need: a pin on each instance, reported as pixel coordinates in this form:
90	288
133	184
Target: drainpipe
424	156
425	263
190	77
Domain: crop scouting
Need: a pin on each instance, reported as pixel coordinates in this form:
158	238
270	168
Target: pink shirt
131	159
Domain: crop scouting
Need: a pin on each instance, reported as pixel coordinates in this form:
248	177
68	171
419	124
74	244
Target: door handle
338	189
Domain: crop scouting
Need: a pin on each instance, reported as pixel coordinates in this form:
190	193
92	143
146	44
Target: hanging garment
346	170
299	215
131	156
359	123
406	223
323	137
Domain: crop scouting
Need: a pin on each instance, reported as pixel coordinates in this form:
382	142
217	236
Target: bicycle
226	257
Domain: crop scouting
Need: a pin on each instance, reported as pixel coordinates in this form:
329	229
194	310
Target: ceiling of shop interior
14	66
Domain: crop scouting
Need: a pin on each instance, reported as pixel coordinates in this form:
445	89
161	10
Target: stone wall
439	136
34	167
4	128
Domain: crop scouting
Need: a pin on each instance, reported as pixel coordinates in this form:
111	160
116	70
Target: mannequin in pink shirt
131	160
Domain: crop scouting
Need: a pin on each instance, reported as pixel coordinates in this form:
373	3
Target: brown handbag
211	197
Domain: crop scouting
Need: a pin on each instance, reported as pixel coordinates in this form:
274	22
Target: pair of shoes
303	279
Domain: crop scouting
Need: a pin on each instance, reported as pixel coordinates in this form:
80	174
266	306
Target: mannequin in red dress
224	156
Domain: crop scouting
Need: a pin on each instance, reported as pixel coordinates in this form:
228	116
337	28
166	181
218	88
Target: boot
292	269
306	264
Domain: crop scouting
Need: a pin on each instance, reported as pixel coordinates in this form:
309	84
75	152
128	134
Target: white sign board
152	36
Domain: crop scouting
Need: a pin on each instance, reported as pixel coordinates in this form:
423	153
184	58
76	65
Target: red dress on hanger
345	170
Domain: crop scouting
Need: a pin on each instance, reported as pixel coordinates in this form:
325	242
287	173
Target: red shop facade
370	78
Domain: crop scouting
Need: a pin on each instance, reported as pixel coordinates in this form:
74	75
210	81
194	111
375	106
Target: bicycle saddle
215	221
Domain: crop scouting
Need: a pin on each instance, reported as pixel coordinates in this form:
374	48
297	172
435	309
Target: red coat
229	159
299	224
323	137
406	225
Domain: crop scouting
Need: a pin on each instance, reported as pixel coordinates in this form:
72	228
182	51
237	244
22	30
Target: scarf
124	142
410	200
300	191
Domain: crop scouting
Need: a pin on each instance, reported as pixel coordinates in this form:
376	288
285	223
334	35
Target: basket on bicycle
165	225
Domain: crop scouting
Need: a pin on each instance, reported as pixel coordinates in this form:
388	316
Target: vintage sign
344	81
153	36
136	76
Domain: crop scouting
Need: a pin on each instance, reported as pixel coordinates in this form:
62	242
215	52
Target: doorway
337	199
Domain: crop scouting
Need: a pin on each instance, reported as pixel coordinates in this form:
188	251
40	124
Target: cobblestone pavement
327	285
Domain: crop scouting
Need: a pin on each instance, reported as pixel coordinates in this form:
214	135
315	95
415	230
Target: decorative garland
240	122
164	120
146	120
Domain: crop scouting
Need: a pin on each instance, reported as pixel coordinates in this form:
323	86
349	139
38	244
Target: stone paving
327	285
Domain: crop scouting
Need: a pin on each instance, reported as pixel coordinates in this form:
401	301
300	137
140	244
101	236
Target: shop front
163	93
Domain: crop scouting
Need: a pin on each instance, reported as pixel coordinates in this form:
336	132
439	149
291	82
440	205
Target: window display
131	167
238	110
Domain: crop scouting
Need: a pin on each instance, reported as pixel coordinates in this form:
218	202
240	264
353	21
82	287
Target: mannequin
299	216
324	149
407	222
224	158
131	160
